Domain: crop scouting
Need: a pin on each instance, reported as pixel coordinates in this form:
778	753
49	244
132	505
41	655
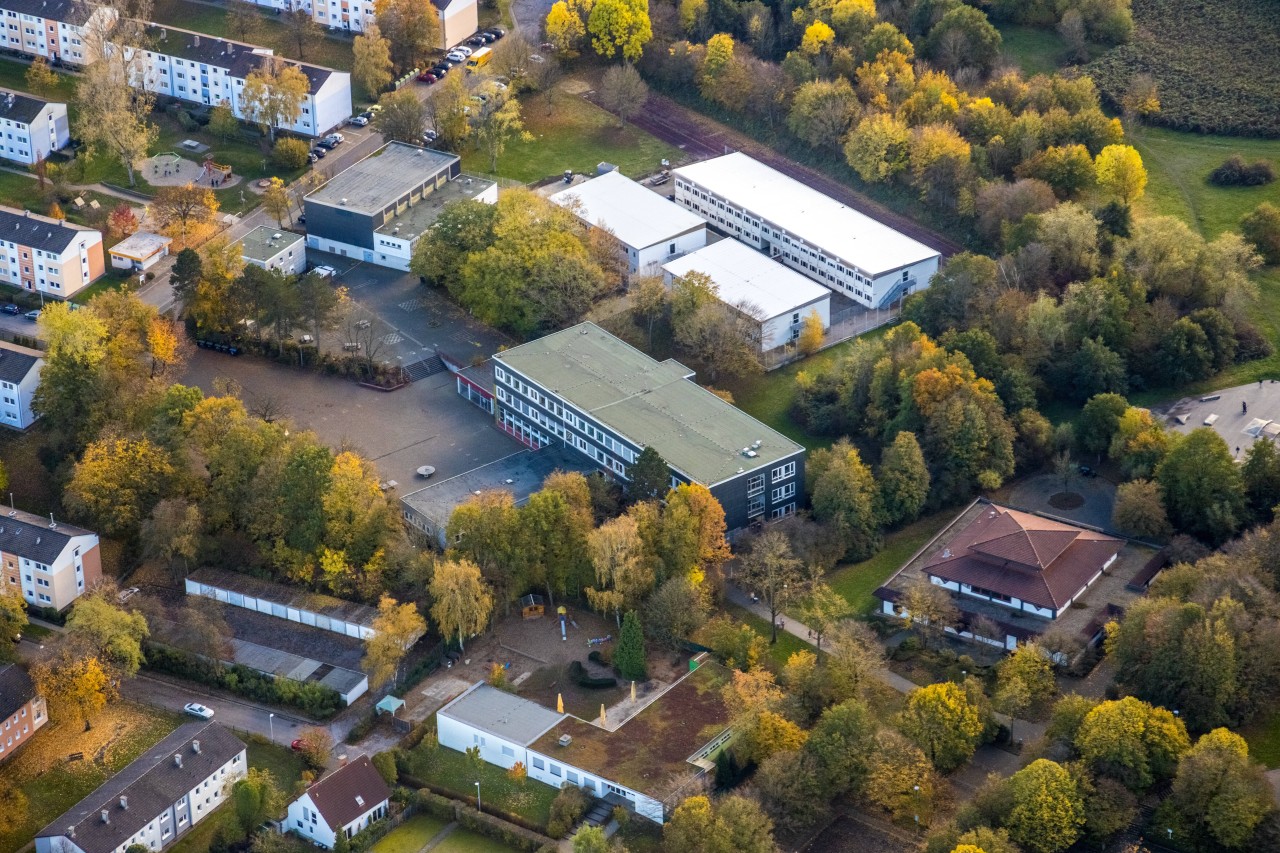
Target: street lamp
916	790
478	798
271	726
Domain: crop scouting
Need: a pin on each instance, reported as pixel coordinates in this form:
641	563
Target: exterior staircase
429	366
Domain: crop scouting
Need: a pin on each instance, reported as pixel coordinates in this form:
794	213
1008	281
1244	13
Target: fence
846	324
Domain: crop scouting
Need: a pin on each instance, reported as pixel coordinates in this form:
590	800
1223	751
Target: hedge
490	826
580	677
315	700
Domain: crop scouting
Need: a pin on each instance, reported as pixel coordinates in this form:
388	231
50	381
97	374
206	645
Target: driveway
1099	498
162	693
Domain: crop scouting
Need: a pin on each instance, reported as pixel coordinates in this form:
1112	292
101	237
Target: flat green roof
654	404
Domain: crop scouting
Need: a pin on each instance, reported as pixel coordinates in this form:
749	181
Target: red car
427	77
297	744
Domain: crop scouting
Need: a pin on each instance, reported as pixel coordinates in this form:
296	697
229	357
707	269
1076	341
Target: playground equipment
564	617
214	171
533	607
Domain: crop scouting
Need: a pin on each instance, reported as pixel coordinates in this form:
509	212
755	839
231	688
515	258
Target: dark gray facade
340	223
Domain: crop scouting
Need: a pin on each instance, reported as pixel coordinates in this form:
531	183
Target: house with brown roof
345	801
1015	575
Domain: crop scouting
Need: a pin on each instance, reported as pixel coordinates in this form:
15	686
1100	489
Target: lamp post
271	726
478	798
916	790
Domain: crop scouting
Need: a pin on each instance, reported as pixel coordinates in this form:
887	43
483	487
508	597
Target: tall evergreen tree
629	656
650	476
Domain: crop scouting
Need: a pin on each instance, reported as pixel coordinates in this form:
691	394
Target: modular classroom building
777	298
651	229
584	388
831	243
274	249
376	210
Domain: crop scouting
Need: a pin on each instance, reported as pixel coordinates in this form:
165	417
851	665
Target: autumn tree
494	122
462	599
1139	510
963	38
649	477
40	78
275	200
900	778
692	534
822	609
223	122
1120	172
257	797
1047	812
114	636
243	20
564	26
117	482
1024	678
1261	227
619	26
623	92
1202	487
771	571
315	745
273	95
371	59
122	221
813	334
903	480
14	807
13	619
929	608
622	565
822	111
76	687
411	29
1131	741
186	210
941	720
844	499
301	31
113	115
395	629
732	823
1219	795
403	117
878	148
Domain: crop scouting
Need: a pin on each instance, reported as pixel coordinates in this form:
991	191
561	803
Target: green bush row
582	678
315	700
444	808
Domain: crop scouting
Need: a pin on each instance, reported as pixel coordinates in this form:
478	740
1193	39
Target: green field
779	652
1035	50
1263	737
576	135
456	774
410	836
857	581
466	841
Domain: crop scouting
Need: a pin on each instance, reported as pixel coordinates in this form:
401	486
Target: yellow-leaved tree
1121	173
812	334
620	26
462	599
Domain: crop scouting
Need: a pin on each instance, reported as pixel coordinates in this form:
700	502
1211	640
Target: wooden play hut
212	169
533	607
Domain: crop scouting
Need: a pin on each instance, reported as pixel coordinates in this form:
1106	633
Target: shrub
566	809
1235	172
508	833
188	123
582	678
436	805
362	728
290	153
1261	227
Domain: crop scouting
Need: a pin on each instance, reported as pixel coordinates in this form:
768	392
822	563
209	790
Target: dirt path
702	137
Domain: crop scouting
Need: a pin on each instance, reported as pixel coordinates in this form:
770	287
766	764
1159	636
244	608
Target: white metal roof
140	245
818	219
743	274
638	217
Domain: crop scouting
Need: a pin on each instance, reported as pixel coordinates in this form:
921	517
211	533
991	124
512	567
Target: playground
170	169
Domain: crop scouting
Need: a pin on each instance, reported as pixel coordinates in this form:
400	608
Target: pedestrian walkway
439	836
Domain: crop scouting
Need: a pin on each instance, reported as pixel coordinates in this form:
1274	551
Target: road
160	693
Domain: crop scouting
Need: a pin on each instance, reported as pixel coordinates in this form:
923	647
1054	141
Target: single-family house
341	803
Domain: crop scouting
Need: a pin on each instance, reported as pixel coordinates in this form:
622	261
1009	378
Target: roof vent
751	454
508	481
195	40
359	800
37	540
177	761
565	740
164	34
124	802
195	747
946	553
71	831
344	201
276	236
106	818
755	445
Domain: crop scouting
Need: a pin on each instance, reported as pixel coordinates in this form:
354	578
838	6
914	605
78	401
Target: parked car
480	98
476	41
33	315
325	271
430	136
1086	471
537	58
374	109
195	709
334	139
427	77
297	744
455	56
446	62
11	309
358	121
496	32
463	49
319	152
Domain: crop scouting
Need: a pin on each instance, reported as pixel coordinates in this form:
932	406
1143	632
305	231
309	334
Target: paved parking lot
1240	415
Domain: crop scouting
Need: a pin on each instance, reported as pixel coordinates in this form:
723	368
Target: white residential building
341	803
650	228
139	251
778	297
155	800
458	18
31	128
54	29
38	253
50	563
19	378
275	249
212	71
831	243
22	709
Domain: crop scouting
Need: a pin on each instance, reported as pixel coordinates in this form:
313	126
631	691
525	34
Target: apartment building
588	390
31	128
378	208
48	255
458	18
54	29
155	800
831	243
22	709
49	562
19	378
211	71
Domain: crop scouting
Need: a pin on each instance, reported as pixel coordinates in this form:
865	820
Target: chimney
124	802
177	761
342	760
106	818
195	747
196	41
71	831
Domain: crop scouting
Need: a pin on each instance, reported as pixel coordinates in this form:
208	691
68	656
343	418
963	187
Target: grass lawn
1178	166
410	836
787	645
1263	737
576	135
466	841
53	784
857	581
13	76
36	632
453	772
113	280
1035	50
